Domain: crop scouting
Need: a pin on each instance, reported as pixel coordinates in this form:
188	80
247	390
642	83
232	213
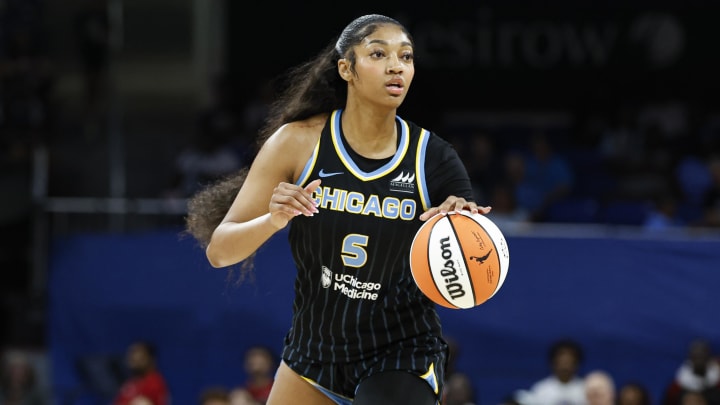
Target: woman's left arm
448	181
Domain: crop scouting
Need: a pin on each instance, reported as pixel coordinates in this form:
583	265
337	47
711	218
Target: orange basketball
459	260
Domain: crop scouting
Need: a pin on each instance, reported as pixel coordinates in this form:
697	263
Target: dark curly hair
566	344
309	89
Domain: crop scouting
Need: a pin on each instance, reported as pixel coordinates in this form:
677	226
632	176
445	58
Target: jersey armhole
420	169
309	165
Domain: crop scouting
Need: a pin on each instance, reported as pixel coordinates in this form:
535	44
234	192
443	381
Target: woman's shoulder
311	125
300	131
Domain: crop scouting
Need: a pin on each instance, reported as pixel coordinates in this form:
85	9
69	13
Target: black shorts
339	381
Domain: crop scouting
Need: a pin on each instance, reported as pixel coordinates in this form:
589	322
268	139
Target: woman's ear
344	69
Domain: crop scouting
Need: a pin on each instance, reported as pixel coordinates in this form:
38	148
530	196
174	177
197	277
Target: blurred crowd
132	378
653	163
140	380
655	166
696	382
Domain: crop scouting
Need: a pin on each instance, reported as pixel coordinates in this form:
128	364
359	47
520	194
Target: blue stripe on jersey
309	165
420	169
336	130
431	378
337	398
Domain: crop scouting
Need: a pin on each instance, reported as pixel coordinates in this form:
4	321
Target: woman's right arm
268	199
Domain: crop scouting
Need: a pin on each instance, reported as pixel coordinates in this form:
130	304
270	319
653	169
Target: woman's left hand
453	203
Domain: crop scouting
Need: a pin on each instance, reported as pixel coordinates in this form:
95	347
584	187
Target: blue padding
630	303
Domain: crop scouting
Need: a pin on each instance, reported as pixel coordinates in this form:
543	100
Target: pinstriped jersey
355	297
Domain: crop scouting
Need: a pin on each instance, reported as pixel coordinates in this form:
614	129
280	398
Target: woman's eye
378	54
408	57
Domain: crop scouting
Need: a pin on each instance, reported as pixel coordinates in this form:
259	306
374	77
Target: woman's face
565	365
384	67
630	396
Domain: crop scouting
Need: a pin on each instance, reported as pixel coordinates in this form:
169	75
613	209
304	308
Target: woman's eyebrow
384	42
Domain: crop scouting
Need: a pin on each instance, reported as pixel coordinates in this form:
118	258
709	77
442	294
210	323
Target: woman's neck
370	133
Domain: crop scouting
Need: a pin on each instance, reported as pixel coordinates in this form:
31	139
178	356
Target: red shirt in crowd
151	386
260	393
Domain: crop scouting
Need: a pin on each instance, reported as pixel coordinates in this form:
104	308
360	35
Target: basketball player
354	181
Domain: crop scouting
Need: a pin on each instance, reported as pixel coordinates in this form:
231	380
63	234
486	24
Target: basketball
459	260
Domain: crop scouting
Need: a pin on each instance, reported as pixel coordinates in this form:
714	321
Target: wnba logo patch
404	183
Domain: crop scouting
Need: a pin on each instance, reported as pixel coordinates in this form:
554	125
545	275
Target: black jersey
354	293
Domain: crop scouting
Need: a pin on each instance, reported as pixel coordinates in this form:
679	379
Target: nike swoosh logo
323	173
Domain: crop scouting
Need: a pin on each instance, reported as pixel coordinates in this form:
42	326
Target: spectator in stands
667	119
453	354
218	146
259	366
621	142
221	114
483	161
692	174
633	393
458	390
711	197
257	106
208	158
698	373
564	385
663	215
694	398
146	385
214	396
18	382
599	388
241	396
506	212
514	172
543	178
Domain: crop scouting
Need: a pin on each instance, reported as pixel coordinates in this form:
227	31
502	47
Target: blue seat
625	212
573	210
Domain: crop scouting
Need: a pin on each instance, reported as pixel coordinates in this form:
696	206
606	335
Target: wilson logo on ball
459	260
449	272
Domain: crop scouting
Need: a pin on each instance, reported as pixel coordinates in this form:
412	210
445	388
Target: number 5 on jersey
353	252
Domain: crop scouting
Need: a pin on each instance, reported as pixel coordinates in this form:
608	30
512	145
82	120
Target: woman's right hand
290	200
